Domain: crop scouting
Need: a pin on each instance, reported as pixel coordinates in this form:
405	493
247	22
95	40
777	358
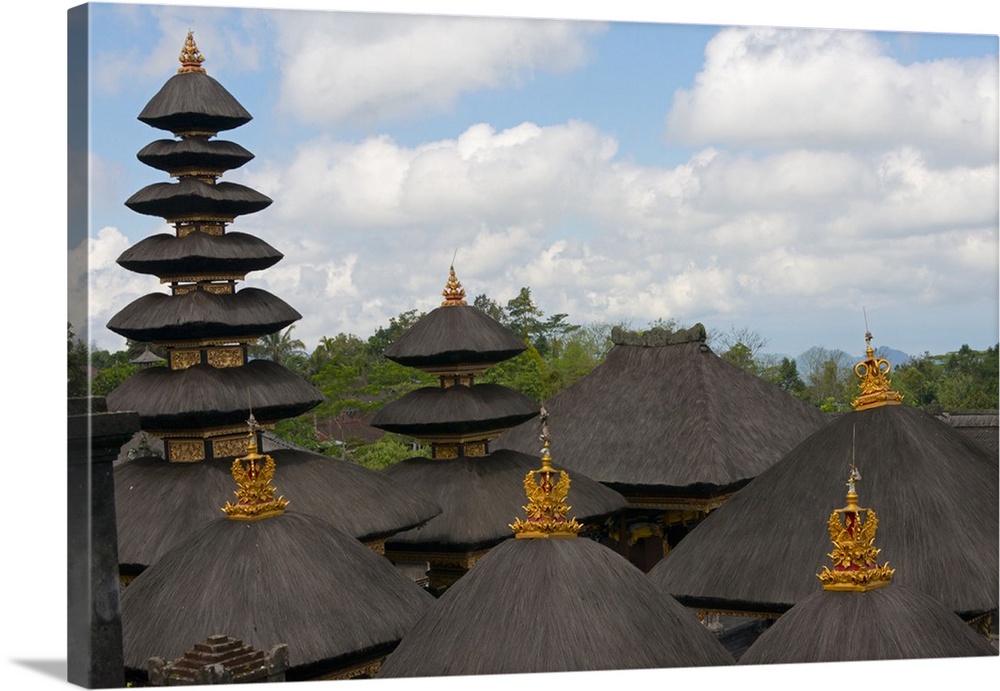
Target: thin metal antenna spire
453	257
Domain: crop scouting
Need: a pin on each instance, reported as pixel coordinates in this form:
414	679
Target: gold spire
254	493
546	509
454	293
854	553
875	385
191	58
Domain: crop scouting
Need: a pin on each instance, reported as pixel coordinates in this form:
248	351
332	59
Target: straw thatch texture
199	253
288	579
172	154
935	493
552	605
191	196
672	416
455	335
891	623
480	497
979	425
159	504
194	101
202	396
455	410
199	314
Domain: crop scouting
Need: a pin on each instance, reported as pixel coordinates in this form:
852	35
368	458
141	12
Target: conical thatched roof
890	623
203	396
178	154
937	497
433	410
478	496
663	411
196	253
552	605
191	196
455	335
194	101
247	313
160	504
289	579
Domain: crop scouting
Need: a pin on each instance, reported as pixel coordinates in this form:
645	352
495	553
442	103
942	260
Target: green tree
110	378
785	374
388	450
77	369
385	336
829	378
278	347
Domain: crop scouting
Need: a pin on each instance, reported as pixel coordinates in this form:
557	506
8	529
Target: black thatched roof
935	492
671	416
480	497
287	579
202	396
198	314
456	409
173	154
455	335
552	605
199	253
159	504
979	425
190	197
194	101
890	623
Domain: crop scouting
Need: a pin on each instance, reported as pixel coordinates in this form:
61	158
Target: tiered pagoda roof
269	575
550	601
198	403
937	493
859	613
459	419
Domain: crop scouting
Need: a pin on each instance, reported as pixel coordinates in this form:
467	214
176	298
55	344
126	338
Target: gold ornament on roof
854	555
253	474
454	293
876	389
546	510
191	58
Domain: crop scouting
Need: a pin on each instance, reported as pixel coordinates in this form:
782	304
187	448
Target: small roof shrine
674	428
858	614
937	493
550	601
267	575
459	419
197	403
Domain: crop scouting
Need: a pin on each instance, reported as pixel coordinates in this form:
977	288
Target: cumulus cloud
603	239
369	67
835	89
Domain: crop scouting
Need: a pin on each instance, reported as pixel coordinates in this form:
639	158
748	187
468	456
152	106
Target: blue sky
783	180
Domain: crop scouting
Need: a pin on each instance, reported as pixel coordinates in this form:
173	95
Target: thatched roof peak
453	293
876	389
547	508
190	57
854	553
658	336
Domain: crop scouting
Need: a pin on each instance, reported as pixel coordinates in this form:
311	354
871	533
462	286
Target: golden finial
454	293
191	58
546	509
253	474
854	555
875	385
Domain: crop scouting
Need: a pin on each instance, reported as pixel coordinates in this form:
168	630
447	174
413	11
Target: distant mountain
895	357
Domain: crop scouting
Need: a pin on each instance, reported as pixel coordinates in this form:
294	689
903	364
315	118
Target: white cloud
821	89
367	67
231	42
